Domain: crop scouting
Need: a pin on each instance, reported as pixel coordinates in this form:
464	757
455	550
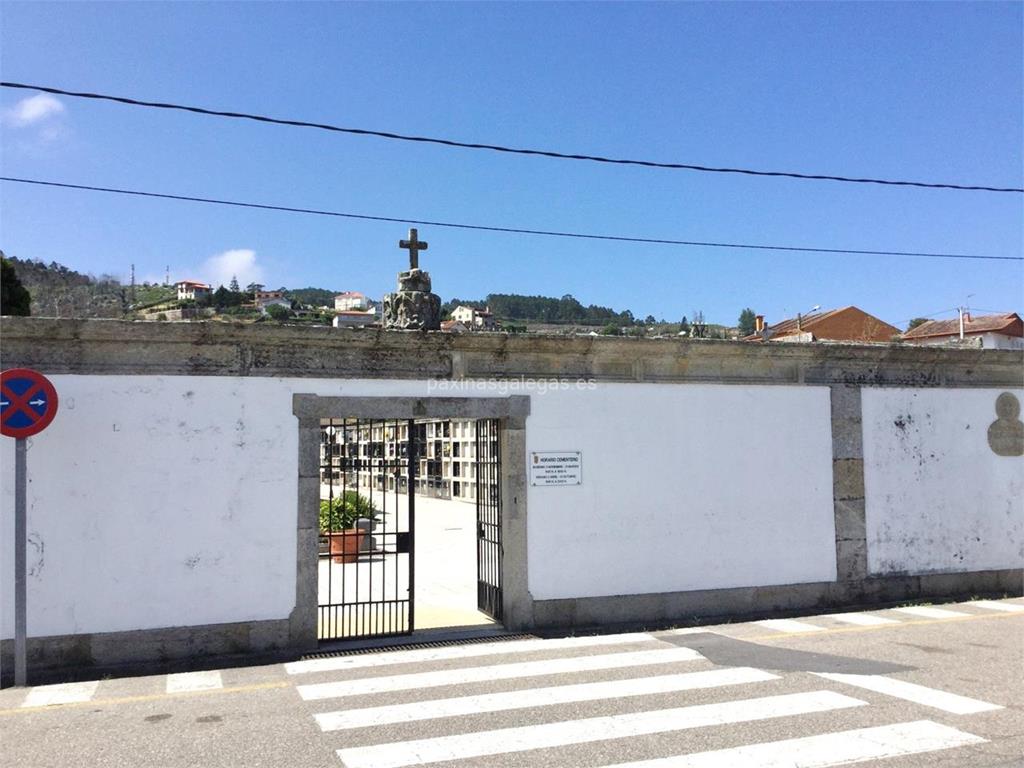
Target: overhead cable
511	230
498	147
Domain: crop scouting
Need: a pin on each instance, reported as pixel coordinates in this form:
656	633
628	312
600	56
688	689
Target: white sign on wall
556	468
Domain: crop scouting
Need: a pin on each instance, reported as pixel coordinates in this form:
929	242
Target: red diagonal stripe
20	402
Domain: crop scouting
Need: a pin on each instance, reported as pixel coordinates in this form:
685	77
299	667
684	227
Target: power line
928	316
497	147
992	311
511	230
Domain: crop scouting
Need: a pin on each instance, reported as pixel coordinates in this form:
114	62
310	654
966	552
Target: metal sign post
28	403
20	547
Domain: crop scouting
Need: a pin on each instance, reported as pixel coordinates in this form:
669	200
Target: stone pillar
848	483
302	621
518	602
413	307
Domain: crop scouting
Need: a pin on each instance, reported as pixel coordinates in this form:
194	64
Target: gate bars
488	518
366	562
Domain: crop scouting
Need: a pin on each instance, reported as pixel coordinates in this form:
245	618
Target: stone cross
414	246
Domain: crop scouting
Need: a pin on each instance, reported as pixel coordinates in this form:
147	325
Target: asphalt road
887	688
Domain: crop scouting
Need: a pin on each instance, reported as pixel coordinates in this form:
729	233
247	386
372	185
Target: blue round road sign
28	402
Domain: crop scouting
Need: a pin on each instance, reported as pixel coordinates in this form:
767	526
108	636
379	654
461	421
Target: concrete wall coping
319	407
228	349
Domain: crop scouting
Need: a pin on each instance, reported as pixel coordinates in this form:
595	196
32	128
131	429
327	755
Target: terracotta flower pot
345	545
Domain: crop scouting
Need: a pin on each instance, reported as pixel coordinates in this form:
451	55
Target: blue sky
922	91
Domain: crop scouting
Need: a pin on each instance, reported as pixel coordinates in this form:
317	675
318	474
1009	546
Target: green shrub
342	512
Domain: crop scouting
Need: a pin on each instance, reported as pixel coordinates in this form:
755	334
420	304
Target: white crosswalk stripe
63	693
538	697
862	619
185	682
919	694
826	750
440	719
789	625
497	672
483	743
928	612
998	605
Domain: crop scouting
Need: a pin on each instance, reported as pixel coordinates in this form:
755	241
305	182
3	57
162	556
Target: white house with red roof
191	289
348	301
1005	331
474	318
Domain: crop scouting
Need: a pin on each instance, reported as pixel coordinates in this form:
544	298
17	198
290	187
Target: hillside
544	309
58	291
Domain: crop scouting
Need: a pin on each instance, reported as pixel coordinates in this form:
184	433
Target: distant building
446	449
351	300
354	319
190	289
453	326
475	319
849	324
987	331
264	299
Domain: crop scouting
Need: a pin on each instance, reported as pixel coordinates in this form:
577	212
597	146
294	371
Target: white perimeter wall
170	501
938	499
685	487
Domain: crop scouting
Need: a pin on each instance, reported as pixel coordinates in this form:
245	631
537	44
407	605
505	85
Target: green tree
233	285
610	330
916	322
220	297
747	322
14	297
684	326
277	312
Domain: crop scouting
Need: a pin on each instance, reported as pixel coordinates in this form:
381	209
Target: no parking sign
28	403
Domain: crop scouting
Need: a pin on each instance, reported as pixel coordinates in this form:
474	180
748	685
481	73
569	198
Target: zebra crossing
81	693
540	698
630	700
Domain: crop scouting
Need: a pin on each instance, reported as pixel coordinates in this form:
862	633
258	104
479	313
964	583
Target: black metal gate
371	472
488	518
367	521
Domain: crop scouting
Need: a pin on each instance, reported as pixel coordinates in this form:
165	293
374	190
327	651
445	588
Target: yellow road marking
285	684
150	697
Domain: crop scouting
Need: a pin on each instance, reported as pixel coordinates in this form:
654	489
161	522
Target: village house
849	324
453	326
354	319
475	319
1005	331
191	289
351	300
264	299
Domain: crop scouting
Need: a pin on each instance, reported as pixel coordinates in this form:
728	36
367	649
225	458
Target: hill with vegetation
58	291
545	309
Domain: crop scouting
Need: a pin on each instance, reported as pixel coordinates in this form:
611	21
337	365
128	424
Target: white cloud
239	263
32	110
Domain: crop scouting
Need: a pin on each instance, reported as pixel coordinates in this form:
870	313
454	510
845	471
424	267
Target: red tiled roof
350	294
846	324
806	323
1010	324
193	283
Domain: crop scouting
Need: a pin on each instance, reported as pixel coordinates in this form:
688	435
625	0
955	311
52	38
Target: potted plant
339	519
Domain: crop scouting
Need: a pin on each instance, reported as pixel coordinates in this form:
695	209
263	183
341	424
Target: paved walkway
445	548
